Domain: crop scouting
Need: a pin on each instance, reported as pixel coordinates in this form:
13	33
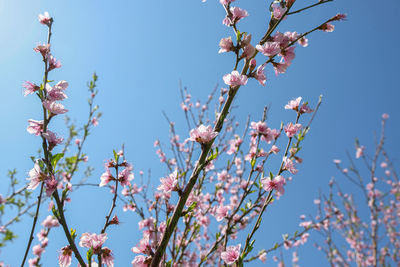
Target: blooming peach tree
361	232
218	185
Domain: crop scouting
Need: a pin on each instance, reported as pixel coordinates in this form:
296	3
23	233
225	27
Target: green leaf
89	255
56	158
253	162
116	156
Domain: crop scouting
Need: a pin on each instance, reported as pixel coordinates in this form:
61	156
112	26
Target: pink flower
260	75
235	79
231	254
169	183
37	250
280	67
249	51
289	165
35	127
278	10
238	14
221	212
30	88
53	63
65	257
45	19
263	256
139	261
275	184
51	186
125	176
33	262
107	257
57	91
50	222
293	104
95	122
288	54
339	17
43	49
269	49
305	109
106	178
385	116
94	241
202	134
54	107
226	45
35	177
52	139
225	2
327	27
292	129
360	151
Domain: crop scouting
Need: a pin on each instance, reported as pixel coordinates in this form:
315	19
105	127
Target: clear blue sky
141	49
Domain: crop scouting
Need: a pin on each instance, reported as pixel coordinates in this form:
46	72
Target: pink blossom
337	161
385	116
126	176
226	45
225	2
221	212
263	256
235	79
274	184
50	222
260	75
231	254
339	17
289	165
238	14
33	262
107	257
54	107
37	250
288	54
292	129
139	261
94	241
52	139
45	18
169	183
51	186
105	178
95	122
278	10
327	27
143	247
35	127
53	63
248	51
202	134
65	257
293	104
57	91
305	109
305	224
280	67
269	49
274	149
360	151
30	88
35	177
43	49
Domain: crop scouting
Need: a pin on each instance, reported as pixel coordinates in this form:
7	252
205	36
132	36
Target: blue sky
142	49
